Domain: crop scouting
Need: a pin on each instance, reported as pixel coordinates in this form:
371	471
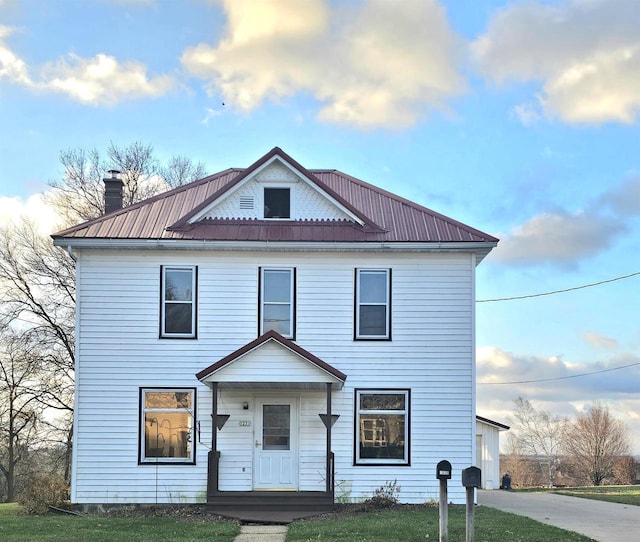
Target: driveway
602	521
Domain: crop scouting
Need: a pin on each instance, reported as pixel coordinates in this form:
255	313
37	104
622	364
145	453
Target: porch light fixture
245	405
221	419
334	419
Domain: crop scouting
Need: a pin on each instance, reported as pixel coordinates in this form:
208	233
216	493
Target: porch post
214	454
329	470
214	416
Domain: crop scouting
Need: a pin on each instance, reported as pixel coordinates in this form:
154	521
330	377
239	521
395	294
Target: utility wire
558	291
560	377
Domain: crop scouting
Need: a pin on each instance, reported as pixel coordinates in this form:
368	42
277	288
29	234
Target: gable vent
246	202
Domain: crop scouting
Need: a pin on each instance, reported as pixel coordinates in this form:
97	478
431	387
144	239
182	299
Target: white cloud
557	238
624	199
102	80
99	80
557	386
12	210
599	341
585	53
379	64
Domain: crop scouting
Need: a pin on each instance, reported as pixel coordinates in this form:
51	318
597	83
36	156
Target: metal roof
385	217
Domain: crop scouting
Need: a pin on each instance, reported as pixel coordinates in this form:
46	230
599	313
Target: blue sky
518	118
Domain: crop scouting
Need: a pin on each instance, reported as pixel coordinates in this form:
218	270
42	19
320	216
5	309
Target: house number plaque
244	423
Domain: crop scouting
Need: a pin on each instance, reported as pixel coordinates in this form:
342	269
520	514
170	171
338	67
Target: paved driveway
602	521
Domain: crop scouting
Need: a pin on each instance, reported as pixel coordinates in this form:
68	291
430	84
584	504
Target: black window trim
142	461
356	428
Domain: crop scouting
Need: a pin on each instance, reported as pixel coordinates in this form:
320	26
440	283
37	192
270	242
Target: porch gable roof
254	365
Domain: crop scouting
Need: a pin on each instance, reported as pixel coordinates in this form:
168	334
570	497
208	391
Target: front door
276	444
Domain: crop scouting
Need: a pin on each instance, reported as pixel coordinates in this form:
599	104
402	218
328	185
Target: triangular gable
271	359
274	163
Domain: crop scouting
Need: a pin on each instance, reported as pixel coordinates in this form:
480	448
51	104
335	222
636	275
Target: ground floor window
167	422
382	427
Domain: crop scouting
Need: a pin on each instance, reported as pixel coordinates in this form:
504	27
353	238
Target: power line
558	291
560	377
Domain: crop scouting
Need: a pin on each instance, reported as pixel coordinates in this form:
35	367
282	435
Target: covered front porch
272	414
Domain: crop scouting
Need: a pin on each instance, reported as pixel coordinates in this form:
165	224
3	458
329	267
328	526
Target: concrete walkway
262	533
602	521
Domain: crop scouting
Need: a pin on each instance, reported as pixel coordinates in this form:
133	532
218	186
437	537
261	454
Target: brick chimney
112	191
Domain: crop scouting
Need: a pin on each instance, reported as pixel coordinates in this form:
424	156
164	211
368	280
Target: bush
385	496
43	491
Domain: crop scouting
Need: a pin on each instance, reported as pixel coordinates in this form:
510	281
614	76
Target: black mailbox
472	477
443	470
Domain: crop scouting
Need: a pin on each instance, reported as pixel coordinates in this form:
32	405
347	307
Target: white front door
276	444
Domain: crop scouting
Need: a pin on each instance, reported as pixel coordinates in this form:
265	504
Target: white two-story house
272	336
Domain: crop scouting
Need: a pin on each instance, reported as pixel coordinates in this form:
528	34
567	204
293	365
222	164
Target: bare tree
180	170
625	470
37	280
19	407
79	194
538	434
595	441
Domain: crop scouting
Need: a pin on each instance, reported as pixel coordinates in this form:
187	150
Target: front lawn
64	528
620	494
417	524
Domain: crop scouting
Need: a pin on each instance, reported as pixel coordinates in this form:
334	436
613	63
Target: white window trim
386	304
292	300
143	411
407	406
193	302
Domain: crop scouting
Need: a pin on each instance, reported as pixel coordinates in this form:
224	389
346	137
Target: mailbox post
443	473
471	478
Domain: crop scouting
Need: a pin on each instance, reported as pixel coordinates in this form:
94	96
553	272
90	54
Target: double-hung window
277	301
167	425
178	302
373	304
382	427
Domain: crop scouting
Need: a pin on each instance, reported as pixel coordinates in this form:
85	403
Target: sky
519	118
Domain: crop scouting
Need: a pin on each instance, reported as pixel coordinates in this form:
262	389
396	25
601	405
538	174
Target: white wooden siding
119	351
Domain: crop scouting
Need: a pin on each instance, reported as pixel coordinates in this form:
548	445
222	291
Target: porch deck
278	507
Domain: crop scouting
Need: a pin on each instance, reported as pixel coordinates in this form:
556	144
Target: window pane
382	401
277	203
168	435
373	320
178	318
382	436
277	286
178	285
276	427
278	318
167	399
373	286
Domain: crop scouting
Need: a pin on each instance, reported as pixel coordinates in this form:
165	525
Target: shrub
43	491
383	497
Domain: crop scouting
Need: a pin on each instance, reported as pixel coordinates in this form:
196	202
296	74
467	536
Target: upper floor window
277	202
178	302
373	304
382	419
277	304
167	425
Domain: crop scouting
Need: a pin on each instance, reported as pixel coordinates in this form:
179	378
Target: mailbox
443	470
472	477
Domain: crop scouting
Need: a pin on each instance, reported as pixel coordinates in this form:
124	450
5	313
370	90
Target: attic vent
246	202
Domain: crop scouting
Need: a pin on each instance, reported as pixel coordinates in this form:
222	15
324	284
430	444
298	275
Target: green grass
420	524
620	494
63	528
